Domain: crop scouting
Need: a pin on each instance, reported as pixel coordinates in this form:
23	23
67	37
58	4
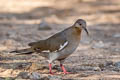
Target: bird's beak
86	31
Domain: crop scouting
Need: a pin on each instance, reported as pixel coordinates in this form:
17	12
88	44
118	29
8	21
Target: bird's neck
77	30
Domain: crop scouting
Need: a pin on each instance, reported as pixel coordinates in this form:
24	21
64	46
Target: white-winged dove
59	46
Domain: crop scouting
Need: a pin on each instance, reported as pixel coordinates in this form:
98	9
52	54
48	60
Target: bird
58	46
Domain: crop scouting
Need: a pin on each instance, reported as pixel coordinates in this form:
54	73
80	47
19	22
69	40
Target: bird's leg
50	68
63	68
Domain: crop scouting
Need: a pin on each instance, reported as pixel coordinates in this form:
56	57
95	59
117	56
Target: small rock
109	63
117	35
12	34
96	69
55	78
35	76
117	64
23	75
117	49
44	26
101	65
116	69
99	44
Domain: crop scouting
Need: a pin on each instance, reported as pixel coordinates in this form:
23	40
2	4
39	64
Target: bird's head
80	23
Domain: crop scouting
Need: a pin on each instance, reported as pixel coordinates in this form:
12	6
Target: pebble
44	26
96	69
23	75
35	76
38	76
117	64
55	78
117	35
99	44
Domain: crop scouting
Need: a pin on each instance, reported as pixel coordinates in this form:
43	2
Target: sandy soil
97	56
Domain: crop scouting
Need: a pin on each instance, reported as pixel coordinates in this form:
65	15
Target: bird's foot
50	69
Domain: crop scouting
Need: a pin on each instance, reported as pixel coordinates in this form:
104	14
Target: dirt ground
96	58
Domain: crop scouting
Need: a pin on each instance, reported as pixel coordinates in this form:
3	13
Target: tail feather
23	51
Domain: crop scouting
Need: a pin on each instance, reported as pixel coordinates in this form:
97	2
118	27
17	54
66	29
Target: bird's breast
76	33
72	45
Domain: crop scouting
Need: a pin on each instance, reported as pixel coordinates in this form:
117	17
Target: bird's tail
23	51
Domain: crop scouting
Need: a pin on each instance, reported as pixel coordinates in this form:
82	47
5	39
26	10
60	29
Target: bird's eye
80	24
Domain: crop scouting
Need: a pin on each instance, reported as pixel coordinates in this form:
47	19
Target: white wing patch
46	51
62	46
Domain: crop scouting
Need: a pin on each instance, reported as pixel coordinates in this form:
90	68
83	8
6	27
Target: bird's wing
57	42
38	45
54	43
